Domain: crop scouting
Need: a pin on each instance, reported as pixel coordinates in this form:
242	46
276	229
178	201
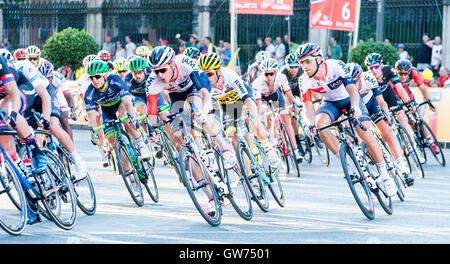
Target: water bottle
29	170
18	162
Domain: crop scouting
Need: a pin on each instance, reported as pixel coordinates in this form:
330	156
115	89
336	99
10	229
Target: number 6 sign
333	14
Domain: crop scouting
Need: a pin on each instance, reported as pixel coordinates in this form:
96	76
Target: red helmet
20	54
104	55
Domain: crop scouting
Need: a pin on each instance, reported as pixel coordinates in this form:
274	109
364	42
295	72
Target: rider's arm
41	90
152	90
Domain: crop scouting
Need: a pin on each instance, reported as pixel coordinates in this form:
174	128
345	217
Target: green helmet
137	63
96	67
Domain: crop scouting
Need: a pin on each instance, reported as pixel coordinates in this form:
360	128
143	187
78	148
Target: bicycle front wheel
437	153
149	181
200	187
130	176
13	205
287	148
59	198
355	179
410	152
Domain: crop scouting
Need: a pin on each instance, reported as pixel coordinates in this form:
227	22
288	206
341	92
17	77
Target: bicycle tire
86	205
242	203
424	126
259	195
409	151
305	143
275	187
170	153
150	182
199	200
384	200
138	197
352	180
290	148
322	151
58	177
399	182
19	202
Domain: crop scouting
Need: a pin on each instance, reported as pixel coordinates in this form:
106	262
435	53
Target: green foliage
69	47
359	53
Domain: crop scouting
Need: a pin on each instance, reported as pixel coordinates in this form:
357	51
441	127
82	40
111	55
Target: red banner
265	7
333	14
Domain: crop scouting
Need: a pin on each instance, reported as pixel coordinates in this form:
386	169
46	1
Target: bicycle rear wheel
275	182
59	198
287	148
130	177
305	143
355	179
394	171
201	191
149	182
409	151
424	128
13	204
170	153
84	189
252	171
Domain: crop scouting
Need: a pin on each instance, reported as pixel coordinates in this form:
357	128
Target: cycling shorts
334	109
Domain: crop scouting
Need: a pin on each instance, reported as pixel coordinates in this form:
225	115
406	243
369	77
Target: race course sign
265	7
333	14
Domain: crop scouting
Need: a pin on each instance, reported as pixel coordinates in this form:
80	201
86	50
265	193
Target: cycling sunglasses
33	59
269	73
293	66
96	77
159	71
211	73
308	61
403	73
122	71
374	67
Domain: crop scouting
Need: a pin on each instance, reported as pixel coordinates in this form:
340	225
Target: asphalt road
319	210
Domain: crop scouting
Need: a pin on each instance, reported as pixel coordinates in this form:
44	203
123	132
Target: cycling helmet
142	51
308	49
355	70
121	64
209	61
96	67
46	68
192	52
7	55
137	63
161	55
373	58
104	55
89	58
290	58
261	55
403	65
33	51
269	65
20	54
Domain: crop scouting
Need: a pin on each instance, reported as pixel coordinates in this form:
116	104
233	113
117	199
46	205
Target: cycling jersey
188	80
83	84
138	90
5	76
413	75
109	100
387	85
62	89
233	88
293	81
369	87
253	72
333	88
27	93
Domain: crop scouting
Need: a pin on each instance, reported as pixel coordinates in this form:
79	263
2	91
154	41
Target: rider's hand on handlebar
355	112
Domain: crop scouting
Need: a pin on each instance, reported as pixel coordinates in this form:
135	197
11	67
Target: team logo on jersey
335	84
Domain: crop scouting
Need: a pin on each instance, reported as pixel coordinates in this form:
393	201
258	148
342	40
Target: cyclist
293	71
33	54
11	103
20	54
104	55
228	89
254	69
268	87
332	80
388	80
186	83
46	103
63	94
373	99
407	74
121	67
109	92
193	52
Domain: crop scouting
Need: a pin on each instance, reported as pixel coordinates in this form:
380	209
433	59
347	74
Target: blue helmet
373	58
309	49
161	55
355	70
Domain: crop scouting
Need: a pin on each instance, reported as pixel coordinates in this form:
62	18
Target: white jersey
333	88
368	82
83	84
184	67
32	73
233	88
59	81
261	88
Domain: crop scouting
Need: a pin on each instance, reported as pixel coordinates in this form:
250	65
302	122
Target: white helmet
261	55
88	59
268	65
33	51
8	56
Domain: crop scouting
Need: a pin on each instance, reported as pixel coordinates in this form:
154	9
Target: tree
69	47
359	53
